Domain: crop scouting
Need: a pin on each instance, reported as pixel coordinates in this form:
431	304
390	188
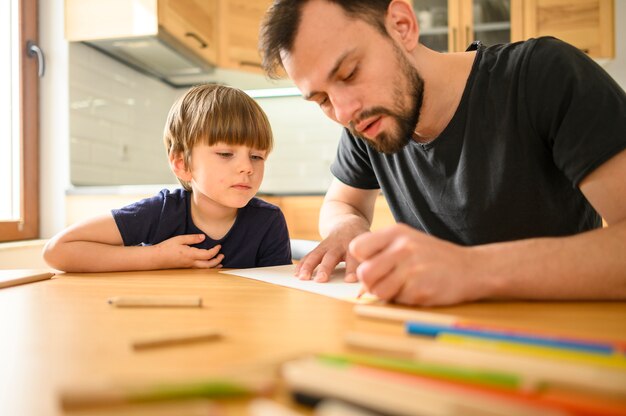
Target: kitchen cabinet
451	25
239	22
586	24
174	41
192	23
302	214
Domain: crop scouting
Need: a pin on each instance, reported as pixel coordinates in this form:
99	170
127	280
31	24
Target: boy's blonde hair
211	114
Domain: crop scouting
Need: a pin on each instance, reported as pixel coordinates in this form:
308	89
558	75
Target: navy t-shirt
259	236
535	118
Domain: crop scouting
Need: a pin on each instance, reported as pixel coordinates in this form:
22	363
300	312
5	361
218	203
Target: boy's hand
176	252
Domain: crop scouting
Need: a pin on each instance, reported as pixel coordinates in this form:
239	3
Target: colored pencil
16	277
537	373
499	379
371	389
156	301
161	340
402	315
432	330
84	398
610	361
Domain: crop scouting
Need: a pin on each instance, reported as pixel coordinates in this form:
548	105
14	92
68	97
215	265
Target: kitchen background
101	121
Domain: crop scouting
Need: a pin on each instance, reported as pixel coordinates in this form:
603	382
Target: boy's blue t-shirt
259	236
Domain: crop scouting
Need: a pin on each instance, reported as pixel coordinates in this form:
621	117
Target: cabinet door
239	33
451	25
438	23
193	23
586	24
491	21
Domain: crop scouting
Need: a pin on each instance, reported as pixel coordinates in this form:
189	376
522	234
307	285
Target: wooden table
62	332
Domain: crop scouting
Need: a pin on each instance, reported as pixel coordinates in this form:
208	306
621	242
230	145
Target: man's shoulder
540	50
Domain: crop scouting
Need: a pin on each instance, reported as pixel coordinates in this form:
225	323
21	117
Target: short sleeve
138	222
575	106
352	165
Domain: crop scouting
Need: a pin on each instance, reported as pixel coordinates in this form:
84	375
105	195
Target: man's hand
407	266
332	250
175	253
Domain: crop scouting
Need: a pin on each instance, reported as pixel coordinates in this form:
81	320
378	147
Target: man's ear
177	164
402	24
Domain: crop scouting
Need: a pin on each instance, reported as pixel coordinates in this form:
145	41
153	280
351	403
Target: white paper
283	276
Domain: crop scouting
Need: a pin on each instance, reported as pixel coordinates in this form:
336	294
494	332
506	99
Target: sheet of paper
283	276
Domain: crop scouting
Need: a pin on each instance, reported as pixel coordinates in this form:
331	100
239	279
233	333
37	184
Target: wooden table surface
62	332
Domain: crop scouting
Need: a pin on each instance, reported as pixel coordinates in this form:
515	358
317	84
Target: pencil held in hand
156	301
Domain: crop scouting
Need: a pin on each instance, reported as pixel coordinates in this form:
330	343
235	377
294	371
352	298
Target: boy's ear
177	164
402	24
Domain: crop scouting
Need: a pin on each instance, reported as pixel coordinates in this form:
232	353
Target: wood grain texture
62	332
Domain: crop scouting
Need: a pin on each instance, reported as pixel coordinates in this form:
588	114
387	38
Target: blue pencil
432	330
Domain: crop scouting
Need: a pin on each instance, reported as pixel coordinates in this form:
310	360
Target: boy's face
229	175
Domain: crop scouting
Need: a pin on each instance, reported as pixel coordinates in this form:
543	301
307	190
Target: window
19	121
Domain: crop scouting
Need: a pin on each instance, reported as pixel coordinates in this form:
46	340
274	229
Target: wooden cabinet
194	23
302	214
239	24
451	25
586	24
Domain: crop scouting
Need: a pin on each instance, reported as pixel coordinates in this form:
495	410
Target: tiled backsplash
116	122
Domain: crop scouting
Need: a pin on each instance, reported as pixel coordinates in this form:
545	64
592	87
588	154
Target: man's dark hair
281	22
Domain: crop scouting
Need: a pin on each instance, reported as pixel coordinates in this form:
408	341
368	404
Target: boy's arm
96	245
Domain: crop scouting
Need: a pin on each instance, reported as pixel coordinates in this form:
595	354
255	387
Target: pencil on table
156	301
402	315
177	338
218	388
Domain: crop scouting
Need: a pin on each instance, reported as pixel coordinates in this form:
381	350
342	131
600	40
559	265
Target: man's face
359	77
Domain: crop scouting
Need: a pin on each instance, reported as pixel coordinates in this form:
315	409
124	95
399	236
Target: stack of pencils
445	366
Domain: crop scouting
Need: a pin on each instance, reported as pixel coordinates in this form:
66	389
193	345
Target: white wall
116	122
54	133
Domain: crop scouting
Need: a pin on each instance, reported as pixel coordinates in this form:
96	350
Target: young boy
217	139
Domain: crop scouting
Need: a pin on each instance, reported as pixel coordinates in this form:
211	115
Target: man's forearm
591	265
335	215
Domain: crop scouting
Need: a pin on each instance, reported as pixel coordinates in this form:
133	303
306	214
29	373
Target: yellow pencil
612	361
156	301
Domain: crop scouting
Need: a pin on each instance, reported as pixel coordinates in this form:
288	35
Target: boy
217	139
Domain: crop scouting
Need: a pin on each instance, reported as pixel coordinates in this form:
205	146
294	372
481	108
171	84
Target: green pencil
210	389
496	379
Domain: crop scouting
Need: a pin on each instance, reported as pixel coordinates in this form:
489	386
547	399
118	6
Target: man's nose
346	107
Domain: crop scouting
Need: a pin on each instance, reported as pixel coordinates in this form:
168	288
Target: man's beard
406	119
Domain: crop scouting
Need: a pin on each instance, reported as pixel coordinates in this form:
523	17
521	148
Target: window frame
27	227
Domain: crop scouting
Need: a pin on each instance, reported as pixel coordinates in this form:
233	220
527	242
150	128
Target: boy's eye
257	157
224	154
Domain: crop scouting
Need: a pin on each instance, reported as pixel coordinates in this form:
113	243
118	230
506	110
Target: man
501	160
